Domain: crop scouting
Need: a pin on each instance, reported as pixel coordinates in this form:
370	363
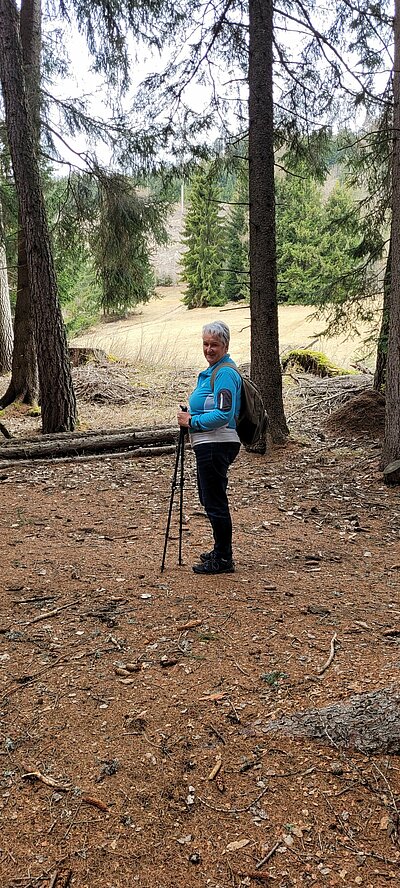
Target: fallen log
118	454
367	722
85	444
92	433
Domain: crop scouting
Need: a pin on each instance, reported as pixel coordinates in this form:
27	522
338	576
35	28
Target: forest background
289	99
156	730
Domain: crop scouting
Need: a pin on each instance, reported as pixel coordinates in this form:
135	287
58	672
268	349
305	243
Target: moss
312	362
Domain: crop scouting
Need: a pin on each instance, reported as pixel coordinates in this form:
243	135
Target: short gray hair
217	328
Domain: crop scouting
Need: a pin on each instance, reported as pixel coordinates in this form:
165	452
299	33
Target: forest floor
134	703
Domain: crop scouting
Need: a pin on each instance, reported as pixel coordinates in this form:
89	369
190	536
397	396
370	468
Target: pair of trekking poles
179	465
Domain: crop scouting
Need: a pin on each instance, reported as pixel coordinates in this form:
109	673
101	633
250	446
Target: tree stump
370	723
391	473
80	355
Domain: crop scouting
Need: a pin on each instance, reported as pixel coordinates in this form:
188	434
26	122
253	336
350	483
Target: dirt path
106	775
166	333
163	775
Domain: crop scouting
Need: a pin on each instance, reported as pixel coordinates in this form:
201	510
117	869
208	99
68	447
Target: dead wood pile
310	399
103	384
363	413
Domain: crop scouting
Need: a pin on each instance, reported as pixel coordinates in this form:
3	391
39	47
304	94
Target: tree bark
265	363
6	327
391	446
24	384
80	444
57	395
381	355
369	723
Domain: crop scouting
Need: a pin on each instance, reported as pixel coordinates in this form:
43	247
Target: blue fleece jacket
215	409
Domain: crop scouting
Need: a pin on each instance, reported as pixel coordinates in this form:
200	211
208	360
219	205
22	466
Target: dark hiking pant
213	461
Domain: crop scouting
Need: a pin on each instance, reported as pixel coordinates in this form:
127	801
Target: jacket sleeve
227	384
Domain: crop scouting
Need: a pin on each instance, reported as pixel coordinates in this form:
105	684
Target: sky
82	80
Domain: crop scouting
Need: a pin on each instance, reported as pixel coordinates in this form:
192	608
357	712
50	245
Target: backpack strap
220	366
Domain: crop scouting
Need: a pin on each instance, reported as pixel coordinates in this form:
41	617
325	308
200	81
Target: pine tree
202	262
57	395
391	444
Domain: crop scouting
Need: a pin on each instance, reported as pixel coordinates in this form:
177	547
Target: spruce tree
202	261
299	218
121	241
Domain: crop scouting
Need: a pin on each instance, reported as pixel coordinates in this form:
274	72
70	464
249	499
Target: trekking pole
179	459
182	483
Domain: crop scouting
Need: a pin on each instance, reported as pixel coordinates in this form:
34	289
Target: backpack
252	422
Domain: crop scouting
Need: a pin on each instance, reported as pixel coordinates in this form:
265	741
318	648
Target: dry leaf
236	846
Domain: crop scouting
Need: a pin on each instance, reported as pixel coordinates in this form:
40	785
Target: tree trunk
6	328
381	356
265	363
391	446
57	395
24	383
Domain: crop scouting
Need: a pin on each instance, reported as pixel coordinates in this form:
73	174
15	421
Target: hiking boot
215	566
206	556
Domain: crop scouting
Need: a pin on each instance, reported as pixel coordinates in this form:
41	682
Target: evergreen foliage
120	242
202	262
299	214
71	206
237	271
317	243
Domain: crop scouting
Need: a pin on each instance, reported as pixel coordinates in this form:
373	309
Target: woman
213	406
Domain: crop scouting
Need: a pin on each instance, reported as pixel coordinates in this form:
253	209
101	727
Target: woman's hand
183	418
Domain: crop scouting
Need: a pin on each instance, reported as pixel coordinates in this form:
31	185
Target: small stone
195	858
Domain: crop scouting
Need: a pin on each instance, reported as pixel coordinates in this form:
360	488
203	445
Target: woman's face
213	348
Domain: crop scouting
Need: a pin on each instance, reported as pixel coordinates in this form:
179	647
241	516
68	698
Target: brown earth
165	776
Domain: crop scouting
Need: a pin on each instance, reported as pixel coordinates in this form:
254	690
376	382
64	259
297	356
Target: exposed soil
163	775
